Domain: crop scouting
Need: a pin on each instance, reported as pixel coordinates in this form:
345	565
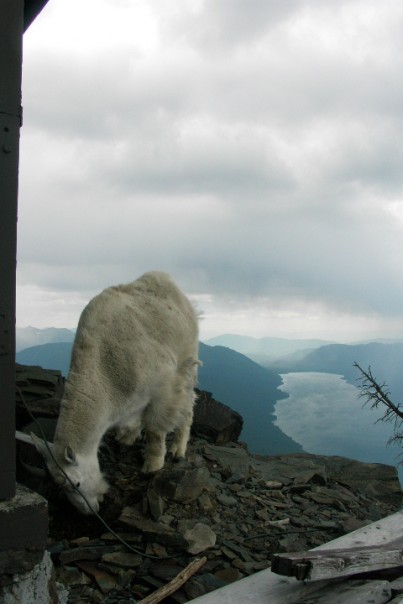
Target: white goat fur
133	367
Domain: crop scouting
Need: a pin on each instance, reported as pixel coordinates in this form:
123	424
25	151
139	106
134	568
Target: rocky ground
222	503
233	508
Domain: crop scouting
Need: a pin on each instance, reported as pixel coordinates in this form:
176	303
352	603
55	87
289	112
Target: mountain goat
133	368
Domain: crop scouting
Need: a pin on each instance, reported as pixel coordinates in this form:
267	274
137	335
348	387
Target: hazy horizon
233	334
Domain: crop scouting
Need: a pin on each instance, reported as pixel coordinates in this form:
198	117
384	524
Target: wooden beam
331	564
32	8
373	547
11	30
15	16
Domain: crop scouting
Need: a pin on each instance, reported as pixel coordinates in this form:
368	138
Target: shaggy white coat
133	368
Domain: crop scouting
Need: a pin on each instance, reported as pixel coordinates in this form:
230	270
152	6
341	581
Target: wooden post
15	18
11	32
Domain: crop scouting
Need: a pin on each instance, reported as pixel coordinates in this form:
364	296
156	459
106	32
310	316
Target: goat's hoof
151	468
176	454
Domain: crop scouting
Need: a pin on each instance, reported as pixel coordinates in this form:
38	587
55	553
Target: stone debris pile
223	503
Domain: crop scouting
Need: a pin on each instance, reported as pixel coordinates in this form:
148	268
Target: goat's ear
69	455
40	446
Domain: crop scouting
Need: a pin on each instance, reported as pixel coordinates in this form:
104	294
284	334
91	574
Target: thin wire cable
101	520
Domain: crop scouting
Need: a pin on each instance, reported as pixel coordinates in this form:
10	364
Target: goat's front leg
154	454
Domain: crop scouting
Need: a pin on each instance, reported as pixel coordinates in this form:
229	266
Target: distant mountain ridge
55	355
385	360
33	336
267	349
231	377
252	391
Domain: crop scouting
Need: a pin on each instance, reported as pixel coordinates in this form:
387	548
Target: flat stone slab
372	479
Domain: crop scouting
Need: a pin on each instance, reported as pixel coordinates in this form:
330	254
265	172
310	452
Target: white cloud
251	149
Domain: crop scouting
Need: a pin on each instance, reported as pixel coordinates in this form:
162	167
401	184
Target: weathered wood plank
373	547
350	592
397	585
384	531
267	587
331	564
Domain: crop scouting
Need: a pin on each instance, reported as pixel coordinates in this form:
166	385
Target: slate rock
228	575
153	531
215	421
70	575
236	458
41	389
226	500
155	504
94	552
210	582
205	503
272	484
199	538
182	486
241	551
105	581
352	524
262	514
123	559
314	476
378	481
194	588
166	570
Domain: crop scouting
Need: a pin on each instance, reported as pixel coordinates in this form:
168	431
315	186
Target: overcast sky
251	148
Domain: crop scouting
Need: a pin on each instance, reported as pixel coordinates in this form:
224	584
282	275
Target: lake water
324	414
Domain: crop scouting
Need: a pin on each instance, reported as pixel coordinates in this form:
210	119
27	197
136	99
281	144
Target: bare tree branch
376	395
168	589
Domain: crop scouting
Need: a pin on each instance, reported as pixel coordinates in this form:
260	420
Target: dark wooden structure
15	18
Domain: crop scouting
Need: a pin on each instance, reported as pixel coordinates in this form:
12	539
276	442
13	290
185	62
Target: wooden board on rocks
350	592
372	548
337	563
268	586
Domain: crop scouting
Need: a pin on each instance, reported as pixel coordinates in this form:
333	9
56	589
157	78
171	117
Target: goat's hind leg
181	438
184	402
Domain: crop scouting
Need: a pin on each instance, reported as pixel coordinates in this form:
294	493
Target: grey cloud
240	255
261	172
230	23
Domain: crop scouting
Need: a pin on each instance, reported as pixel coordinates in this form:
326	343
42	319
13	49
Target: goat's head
74	473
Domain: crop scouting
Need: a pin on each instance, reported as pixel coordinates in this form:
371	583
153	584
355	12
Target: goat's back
130	334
